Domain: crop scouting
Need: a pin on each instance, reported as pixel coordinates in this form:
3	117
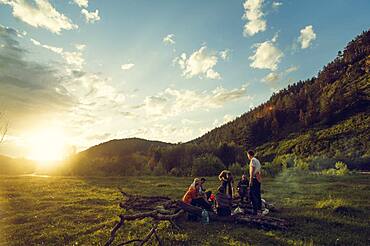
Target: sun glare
47	145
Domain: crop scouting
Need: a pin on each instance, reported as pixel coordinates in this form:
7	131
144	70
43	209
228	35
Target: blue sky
164	70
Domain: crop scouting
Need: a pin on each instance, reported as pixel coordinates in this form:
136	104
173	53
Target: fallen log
265	222
161	208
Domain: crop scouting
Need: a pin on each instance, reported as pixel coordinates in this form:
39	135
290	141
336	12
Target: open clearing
324	210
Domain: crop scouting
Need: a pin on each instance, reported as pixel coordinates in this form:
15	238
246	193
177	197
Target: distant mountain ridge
124	146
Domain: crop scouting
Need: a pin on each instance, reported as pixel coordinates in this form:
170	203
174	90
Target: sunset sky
80	72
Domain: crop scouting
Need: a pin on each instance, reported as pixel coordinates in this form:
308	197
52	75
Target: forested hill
116	157
122	147
340	90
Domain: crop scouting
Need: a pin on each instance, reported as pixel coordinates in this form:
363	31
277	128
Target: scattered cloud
307	37
266	55
168	132
41	14
291	69
74	59
225	54
201	63
172	102
217	123
80	47
82	3
90	17
127	66
276	5
51	48
169	39
254	16
271	77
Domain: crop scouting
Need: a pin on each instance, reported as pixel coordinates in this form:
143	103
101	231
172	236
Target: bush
321	163
339	170
301	164
159	170
285	161
207	165
271	169
176	172
342	168
236	169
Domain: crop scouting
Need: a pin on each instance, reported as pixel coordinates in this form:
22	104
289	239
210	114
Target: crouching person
192	197
243	188
223	202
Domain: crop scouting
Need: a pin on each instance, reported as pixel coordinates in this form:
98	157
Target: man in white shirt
255	182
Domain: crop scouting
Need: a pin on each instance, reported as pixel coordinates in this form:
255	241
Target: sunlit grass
70	210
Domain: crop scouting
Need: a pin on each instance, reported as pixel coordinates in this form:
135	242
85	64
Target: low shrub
236	169
207	165
271	169
339	170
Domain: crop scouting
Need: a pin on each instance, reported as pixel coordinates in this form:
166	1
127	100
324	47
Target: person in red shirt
192	197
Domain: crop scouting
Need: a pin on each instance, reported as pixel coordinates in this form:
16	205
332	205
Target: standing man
255	182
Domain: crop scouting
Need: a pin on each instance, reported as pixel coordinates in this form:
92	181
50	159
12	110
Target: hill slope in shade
339	92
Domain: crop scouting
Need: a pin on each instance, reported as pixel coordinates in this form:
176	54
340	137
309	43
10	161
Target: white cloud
254	16
217	123
80	46
169	132
82	3
200	63
169	39
74	59
266	56
90	17
51	48
127	66
291	69
271	77
225	54
307	36
276	5
42	14
172	102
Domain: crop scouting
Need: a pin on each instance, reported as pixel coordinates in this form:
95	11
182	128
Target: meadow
323	210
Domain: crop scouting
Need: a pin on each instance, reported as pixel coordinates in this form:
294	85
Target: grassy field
323	210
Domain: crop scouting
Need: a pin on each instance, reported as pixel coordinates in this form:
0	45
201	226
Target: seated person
223	202
192	197
243	188
202	189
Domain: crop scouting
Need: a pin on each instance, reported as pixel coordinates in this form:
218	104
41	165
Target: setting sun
47	145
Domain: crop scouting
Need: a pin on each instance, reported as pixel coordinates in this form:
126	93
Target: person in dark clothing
227	181
255	183
243	188
203	191
200	202
223	202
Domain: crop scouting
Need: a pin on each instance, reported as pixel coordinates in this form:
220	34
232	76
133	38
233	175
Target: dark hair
221	189
251	152
203	179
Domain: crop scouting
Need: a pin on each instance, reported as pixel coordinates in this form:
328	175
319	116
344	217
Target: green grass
323	210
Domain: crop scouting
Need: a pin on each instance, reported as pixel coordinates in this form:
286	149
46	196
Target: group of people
249	190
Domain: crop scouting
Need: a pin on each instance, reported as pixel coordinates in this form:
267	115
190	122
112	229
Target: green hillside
116	157
340	90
